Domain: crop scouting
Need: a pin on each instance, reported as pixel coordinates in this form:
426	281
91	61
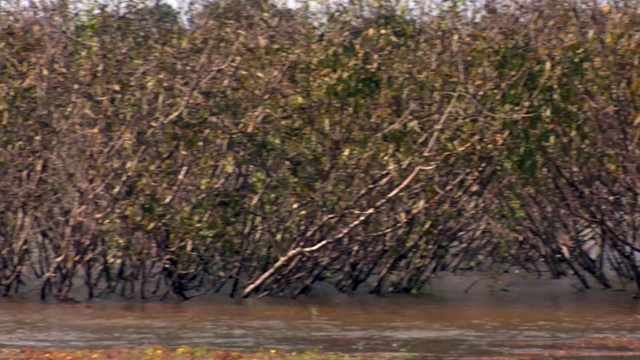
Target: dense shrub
249	148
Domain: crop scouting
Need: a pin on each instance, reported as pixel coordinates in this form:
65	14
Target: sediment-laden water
490	320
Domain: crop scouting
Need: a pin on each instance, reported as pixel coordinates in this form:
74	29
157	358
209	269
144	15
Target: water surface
477	324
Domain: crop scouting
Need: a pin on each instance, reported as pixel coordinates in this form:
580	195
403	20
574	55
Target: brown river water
524	318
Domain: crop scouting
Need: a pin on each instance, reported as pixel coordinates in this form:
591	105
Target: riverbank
513	287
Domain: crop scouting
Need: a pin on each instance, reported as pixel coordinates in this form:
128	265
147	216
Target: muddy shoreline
515	287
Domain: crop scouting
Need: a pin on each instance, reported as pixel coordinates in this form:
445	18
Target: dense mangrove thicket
250	149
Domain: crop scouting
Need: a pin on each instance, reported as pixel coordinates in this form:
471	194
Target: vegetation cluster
251	149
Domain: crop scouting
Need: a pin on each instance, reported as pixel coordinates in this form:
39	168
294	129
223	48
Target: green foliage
201	151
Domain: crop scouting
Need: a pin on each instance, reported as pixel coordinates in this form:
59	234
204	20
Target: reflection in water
466	325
